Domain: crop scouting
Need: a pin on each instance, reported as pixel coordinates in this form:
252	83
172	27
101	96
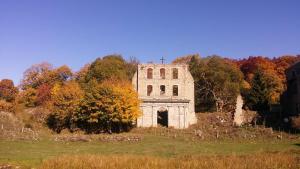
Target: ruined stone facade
290	99
167	95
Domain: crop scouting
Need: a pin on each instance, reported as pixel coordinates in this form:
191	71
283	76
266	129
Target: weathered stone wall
178	114
238	114
181	109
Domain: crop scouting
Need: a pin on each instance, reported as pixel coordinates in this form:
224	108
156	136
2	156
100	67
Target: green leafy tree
258	97
220	81
111	66
131	67
217	82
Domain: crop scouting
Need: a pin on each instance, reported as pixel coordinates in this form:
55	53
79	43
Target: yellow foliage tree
65	100
111	105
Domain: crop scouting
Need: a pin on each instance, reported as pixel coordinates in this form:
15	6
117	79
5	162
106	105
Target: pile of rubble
73	138
120	138
12	128
221	126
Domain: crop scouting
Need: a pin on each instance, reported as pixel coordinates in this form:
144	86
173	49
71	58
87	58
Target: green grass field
32	153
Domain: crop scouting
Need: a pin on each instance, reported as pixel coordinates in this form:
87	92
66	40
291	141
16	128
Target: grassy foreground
153	152
258	161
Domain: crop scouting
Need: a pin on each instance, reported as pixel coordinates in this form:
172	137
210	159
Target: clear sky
75	32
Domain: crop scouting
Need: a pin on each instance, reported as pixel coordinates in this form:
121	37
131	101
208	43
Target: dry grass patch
258	161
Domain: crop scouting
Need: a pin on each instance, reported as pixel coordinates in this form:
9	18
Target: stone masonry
167	95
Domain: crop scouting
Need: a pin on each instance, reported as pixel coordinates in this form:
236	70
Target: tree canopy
111	66
217	82
99	97
109	105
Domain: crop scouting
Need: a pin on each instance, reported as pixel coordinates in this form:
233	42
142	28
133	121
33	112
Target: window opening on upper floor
162	89
175	90
162	73
149	73
149	90
175	73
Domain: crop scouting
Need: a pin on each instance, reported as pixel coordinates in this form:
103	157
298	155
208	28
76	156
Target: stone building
167	95
291	97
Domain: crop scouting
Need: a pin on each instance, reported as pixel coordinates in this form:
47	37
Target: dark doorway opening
162	118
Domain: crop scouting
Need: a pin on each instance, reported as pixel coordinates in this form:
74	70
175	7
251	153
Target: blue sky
75	32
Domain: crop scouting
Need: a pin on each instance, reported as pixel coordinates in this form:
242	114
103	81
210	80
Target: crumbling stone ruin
167	95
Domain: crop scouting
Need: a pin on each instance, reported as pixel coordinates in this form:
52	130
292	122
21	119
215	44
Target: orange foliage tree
39	80
282	63
8	91
270	76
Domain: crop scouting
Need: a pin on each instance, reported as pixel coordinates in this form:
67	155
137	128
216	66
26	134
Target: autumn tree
282	63
44	73
250	65
28	97
273	75
65	100
80	76
219	81
111	66
186	59
8	91
112	105
131	67
43	94
39	80
34	75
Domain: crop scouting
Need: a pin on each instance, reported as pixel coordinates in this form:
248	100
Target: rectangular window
175	90
162	73
149	90
175	73
162	89
149	73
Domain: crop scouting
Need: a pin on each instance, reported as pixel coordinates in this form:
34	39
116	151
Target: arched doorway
162	117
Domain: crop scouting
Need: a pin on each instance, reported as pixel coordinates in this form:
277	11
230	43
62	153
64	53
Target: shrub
6	106
28	97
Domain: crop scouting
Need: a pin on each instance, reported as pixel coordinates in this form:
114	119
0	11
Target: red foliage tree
43	94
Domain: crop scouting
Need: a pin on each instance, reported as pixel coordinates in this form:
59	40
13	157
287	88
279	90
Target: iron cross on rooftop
162	60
